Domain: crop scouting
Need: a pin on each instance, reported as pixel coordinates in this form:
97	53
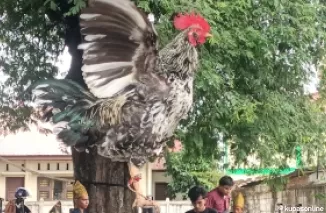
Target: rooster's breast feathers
120	46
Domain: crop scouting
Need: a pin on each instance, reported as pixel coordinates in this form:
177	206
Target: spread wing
120	46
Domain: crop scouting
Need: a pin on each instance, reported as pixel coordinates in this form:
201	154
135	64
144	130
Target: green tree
193	171
249	87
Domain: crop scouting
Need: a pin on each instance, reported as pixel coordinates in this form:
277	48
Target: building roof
32	143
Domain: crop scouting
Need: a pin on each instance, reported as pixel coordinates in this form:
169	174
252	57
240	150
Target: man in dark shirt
20	207
197	195
219	198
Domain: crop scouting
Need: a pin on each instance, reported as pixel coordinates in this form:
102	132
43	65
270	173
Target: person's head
197	195
80	196
21	192
82	202
225	185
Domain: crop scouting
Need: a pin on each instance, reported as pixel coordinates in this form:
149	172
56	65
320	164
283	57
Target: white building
43	154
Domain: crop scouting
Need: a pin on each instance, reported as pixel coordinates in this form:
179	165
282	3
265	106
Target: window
69	191
70	195
12	183
57	190
161	191
44	188
54	189
45	195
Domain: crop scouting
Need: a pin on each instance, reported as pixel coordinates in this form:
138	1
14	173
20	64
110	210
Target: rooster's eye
195	35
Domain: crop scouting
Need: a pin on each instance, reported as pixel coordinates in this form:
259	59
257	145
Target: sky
63	63
312	85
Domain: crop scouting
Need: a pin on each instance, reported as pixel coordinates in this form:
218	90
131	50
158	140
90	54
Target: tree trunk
90	167
72	39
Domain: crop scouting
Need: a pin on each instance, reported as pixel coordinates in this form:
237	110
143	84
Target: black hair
226	181
195	192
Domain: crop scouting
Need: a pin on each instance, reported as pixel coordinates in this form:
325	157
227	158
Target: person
197	195
81	199
219	198
20	206
17	205
10	207
238	204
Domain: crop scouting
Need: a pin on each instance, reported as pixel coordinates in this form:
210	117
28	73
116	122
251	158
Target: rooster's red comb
183	21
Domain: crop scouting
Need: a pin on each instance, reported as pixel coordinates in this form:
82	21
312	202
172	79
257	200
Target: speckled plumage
137	95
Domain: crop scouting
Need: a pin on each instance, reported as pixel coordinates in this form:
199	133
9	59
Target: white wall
31	178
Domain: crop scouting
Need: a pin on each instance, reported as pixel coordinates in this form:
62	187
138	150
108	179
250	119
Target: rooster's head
195	26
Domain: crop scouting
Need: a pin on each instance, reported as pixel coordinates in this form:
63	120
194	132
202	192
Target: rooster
136	94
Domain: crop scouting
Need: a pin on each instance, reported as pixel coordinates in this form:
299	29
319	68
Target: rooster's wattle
136	94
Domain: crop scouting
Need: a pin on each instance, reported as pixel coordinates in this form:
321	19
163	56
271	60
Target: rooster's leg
140	198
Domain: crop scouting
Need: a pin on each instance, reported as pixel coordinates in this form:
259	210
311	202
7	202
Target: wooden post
109	199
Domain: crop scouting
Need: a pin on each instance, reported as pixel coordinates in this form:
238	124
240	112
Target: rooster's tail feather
61	107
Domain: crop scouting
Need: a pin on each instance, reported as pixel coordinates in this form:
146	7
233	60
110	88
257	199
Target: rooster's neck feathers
178	58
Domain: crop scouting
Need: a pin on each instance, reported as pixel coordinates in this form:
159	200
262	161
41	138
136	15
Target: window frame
66	187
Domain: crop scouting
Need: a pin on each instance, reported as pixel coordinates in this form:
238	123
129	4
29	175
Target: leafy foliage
248	89
196	171
29	44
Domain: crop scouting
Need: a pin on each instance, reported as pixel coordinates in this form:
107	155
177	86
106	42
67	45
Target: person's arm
210	202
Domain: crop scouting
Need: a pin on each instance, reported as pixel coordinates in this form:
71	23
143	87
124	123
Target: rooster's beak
208	35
